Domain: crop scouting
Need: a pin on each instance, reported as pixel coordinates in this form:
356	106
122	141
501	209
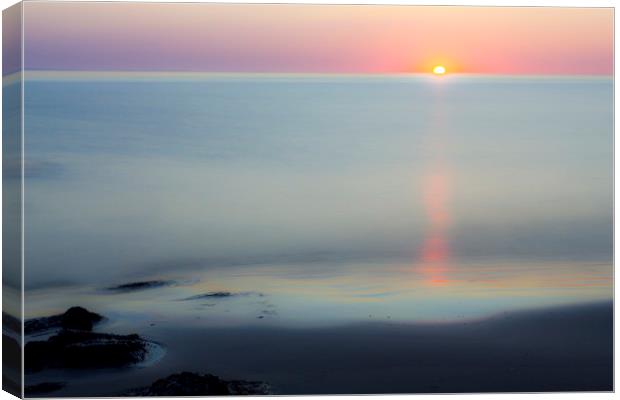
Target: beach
555	349
313	234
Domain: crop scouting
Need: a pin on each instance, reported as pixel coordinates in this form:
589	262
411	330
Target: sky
317	38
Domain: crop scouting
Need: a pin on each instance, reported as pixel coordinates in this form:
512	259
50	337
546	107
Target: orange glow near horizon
290	38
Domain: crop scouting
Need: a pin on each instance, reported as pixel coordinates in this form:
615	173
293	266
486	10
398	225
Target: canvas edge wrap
12	200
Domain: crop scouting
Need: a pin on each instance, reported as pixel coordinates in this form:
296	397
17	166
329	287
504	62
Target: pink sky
317	38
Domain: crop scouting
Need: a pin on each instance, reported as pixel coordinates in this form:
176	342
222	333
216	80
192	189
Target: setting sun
439	70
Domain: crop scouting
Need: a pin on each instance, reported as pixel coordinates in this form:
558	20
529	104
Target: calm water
316	201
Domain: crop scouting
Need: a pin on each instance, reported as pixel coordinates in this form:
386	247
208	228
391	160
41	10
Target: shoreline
565	348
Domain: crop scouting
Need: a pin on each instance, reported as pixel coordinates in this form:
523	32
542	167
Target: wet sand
568	348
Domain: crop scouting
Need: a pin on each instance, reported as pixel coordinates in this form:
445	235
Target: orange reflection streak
435	197
435	250
434	254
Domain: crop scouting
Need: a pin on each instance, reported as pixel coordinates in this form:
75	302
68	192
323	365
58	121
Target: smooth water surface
315	201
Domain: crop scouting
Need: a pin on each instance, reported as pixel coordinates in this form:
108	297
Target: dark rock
221	295
82	349
210	295
143	285
74	318
42	324
79	318
191	384
238	387
43	388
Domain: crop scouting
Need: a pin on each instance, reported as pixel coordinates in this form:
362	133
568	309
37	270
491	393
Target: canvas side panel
12	182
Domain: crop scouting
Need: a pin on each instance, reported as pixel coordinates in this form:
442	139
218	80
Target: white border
520	3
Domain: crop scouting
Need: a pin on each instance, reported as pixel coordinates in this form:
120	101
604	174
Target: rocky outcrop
191	384
82	349
137	286
210	295
76	346
221	295
77	318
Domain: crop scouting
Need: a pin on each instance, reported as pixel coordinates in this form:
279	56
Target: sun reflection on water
434	253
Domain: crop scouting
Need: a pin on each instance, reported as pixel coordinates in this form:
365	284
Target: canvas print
228	199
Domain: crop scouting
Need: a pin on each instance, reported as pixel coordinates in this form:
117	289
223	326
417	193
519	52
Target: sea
280	214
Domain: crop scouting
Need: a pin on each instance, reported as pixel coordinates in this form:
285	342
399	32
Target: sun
439	70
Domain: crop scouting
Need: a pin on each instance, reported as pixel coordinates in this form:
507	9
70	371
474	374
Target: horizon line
82	74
